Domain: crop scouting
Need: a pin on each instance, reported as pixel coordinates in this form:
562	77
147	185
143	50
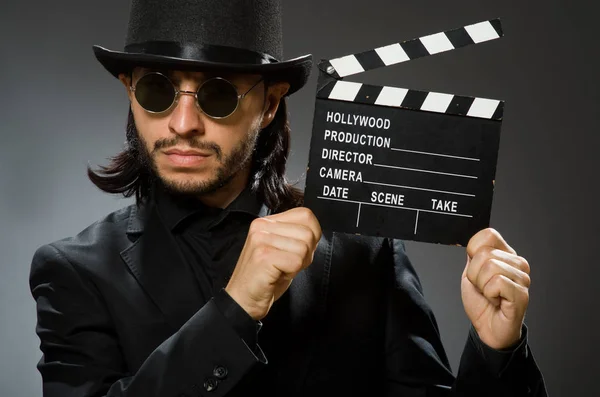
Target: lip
179	158
180	152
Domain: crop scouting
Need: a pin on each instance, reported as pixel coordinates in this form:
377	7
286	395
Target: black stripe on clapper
414	49
499	113
497	26
325	66
326	90
368	94
460	105
459	38
414	99
369	60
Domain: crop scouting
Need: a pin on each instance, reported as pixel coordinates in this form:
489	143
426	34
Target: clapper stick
403	163
412	49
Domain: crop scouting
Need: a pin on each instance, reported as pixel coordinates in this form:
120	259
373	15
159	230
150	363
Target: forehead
197	75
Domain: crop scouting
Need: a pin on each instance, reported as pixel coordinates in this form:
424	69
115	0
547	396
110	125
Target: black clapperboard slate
402	163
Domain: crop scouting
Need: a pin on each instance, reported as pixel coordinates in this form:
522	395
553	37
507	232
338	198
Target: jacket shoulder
98	243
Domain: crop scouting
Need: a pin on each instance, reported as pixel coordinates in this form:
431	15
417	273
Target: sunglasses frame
178	92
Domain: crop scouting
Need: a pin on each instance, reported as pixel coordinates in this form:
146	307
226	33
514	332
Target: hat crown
254	25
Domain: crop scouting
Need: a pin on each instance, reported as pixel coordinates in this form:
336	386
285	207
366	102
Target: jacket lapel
156	263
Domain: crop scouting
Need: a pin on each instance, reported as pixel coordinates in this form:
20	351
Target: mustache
192	143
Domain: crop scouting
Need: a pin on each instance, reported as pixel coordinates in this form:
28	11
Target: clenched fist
277	248
495	289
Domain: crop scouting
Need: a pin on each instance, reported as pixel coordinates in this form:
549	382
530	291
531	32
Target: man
217	281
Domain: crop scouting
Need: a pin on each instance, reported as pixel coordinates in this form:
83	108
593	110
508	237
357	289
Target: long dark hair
127	173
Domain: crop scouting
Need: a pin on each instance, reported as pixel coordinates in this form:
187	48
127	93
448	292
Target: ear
126	80
275	93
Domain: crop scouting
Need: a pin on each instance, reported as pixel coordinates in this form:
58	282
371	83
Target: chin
188	185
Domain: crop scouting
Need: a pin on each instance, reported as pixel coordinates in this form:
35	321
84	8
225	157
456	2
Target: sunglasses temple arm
251	88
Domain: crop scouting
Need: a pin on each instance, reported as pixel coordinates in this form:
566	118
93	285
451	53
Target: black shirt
211	240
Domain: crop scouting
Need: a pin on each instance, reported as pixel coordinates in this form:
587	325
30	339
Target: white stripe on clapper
391	96
437	102
484	108
345	90
392	54
482	31
436	43
347	65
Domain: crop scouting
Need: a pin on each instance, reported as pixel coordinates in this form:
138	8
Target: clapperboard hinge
331	86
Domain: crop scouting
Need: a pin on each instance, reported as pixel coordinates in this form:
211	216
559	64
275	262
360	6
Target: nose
186	117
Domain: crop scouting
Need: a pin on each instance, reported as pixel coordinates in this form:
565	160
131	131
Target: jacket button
210	384
220	372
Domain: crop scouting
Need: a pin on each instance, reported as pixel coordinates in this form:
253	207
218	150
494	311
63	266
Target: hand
495	289
277	248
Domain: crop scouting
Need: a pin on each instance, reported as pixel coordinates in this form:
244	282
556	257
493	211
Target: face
192	153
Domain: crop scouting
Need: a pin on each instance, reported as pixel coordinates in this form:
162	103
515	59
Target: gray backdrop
60	110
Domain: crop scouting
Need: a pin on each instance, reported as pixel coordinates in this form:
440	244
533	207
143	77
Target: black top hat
236	35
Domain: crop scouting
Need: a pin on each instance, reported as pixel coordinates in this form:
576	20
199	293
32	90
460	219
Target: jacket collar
175	210
247	202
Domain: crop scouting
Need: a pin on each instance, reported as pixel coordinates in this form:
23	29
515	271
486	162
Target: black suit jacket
119	314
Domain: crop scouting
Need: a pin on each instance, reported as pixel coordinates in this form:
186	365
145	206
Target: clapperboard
402	163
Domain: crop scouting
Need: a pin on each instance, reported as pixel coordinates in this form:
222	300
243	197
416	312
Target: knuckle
306	215
256	225
305	250
305	212
526	297
256	236
486	252
526	280
491	234
298	263
495	281
524	264
488	266
308	236
262	251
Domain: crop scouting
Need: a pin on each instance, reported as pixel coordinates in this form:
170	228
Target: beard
229	165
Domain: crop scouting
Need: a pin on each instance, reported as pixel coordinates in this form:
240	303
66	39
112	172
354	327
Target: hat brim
294	71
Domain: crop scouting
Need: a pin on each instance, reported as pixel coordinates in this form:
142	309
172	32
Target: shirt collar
174	210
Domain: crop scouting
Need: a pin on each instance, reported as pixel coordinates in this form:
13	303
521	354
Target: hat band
201	52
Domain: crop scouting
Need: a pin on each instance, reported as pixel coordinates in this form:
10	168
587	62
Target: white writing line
358	216
428	171
393	206
416	222
436	154
419	188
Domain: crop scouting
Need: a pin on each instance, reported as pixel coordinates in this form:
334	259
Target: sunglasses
216	97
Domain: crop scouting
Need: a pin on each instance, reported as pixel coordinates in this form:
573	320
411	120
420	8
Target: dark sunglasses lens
218	98
154	92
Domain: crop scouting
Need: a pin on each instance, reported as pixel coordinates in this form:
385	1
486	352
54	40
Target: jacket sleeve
416	363
82	356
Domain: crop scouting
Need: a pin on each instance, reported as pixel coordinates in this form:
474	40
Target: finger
283	243
300	215
475	264
284	262
502	287
491	268
292	230
487	238
513	260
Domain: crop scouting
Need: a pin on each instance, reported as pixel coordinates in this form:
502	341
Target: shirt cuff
500	360
244	325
